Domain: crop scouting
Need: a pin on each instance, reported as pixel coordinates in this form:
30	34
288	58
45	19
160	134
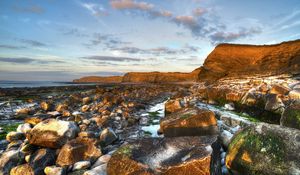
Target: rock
27	149
85	108
172	106
108	136
53	113
46	106
86	100
81	165
41	159
54	170
102	160
236	60
189	122
274	104
294	94
279	89
291	116
77	150
167	156
10	159
24	128
14	136
229	107
225	138
24	169
265	149
52	133
33	120
99	170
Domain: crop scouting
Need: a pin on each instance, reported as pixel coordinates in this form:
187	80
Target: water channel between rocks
157	112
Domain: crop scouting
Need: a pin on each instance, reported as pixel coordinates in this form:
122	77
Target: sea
18	84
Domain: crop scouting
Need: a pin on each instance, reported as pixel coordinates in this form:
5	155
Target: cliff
111	79
233	60
145	77
160	77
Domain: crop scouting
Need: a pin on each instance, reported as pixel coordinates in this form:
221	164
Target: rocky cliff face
233	60
112	79
145	77
160	77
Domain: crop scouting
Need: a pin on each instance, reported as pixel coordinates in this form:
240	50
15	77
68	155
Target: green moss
147	133
153	114
292	118
125	150
186	116
8	128
221	101
267	152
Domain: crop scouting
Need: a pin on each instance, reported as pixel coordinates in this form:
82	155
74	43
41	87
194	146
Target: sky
60	40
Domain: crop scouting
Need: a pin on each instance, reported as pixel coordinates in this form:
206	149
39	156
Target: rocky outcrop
160	77
166	156
265	149
234	60
145	77
98	79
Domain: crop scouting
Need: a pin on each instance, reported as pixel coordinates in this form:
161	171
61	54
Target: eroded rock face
230	60
167	156
291	116
52	133
77	150
189	122
265	149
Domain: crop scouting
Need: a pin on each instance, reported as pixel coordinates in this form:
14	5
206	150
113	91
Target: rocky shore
223	124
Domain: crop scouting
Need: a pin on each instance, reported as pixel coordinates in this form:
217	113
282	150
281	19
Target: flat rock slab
189	122
167	156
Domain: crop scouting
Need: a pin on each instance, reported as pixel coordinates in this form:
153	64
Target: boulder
189	122
24	169
24	128
294	94
52	133
81	165
99	170
173	106
167	156
274	104
10	159
291	116
279	89
265	149
108	136
77	150
42	158
14	136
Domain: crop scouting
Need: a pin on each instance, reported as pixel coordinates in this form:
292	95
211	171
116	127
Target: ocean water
12	84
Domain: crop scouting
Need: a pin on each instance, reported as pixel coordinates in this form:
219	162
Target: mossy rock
264	149
291	116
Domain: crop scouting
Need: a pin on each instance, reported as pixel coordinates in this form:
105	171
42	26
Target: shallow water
12	84
153	128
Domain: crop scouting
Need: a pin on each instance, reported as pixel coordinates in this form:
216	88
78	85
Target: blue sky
62	40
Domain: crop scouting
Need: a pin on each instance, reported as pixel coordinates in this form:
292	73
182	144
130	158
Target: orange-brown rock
189	122
167	156
160	77
234	60
77	150
98	79
172	106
